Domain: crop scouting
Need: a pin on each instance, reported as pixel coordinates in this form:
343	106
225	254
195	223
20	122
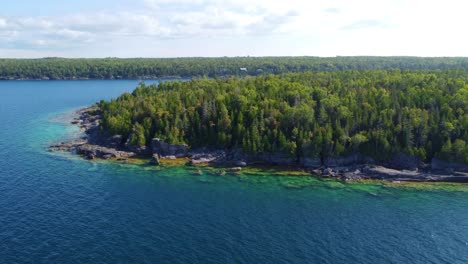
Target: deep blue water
57	208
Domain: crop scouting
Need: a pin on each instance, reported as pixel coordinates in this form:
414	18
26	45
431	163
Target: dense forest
310	114
113	68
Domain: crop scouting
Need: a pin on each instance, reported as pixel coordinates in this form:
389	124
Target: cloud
332	10
3	23
312	27
159	19
363	24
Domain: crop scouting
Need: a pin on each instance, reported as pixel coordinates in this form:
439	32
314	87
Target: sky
213	28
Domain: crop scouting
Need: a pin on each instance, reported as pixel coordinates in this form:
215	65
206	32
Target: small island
398	125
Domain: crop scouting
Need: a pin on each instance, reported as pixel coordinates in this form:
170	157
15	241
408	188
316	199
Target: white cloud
312	27
3	23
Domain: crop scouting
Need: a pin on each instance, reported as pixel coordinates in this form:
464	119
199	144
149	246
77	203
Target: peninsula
379	124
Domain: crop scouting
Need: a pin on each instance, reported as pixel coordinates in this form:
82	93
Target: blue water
57	208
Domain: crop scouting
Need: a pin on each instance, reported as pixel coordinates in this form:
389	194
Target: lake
59	208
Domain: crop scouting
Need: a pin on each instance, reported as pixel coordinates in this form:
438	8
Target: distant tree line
140	68
310	114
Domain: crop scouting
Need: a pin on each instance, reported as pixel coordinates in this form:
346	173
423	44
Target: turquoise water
57	208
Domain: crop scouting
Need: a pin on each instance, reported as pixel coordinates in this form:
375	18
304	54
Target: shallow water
57	208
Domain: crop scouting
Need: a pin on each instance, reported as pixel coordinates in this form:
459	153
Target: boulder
139	150
171	157
240	163
166	149
155	159
201	156
328	172
351	176
199	161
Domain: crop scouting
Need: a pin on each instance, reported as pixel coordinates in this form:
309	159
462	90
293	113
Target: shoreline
138	78
96	144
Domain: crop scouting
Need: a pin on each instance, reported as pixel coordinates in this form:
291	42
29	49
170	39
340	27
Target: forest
310	114
146	68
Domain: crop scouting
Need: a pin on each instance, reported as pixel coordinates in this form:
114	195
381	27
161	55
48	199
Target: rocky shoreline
97	144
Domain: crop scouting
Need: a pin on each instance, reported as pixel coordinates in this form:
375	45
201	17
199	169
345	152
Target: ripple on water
57	208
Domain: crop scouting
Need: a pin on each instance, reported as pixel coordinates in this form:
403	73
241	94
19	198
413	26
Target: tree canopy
311	114
141	68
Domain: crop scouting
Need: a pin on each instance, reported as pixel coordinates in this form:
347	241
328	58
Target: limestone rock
155	159
166	149
240	163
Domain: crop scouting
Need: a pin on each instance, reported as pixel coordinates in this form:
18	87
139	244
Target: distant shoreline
100	79
187	67
97	145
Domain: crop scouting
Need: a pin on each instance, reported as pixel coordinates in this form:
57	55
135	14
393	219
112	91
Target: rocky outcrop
141	151
166	149
401	167
95	151
155	160
239	163
114	141
204	156
387	173
68	146
95	144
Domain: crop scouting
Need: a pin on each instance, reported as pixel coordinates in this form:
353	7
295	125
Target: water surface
62	209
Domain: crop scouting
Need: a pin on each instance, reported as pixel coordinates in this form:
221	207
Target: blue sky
179	28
